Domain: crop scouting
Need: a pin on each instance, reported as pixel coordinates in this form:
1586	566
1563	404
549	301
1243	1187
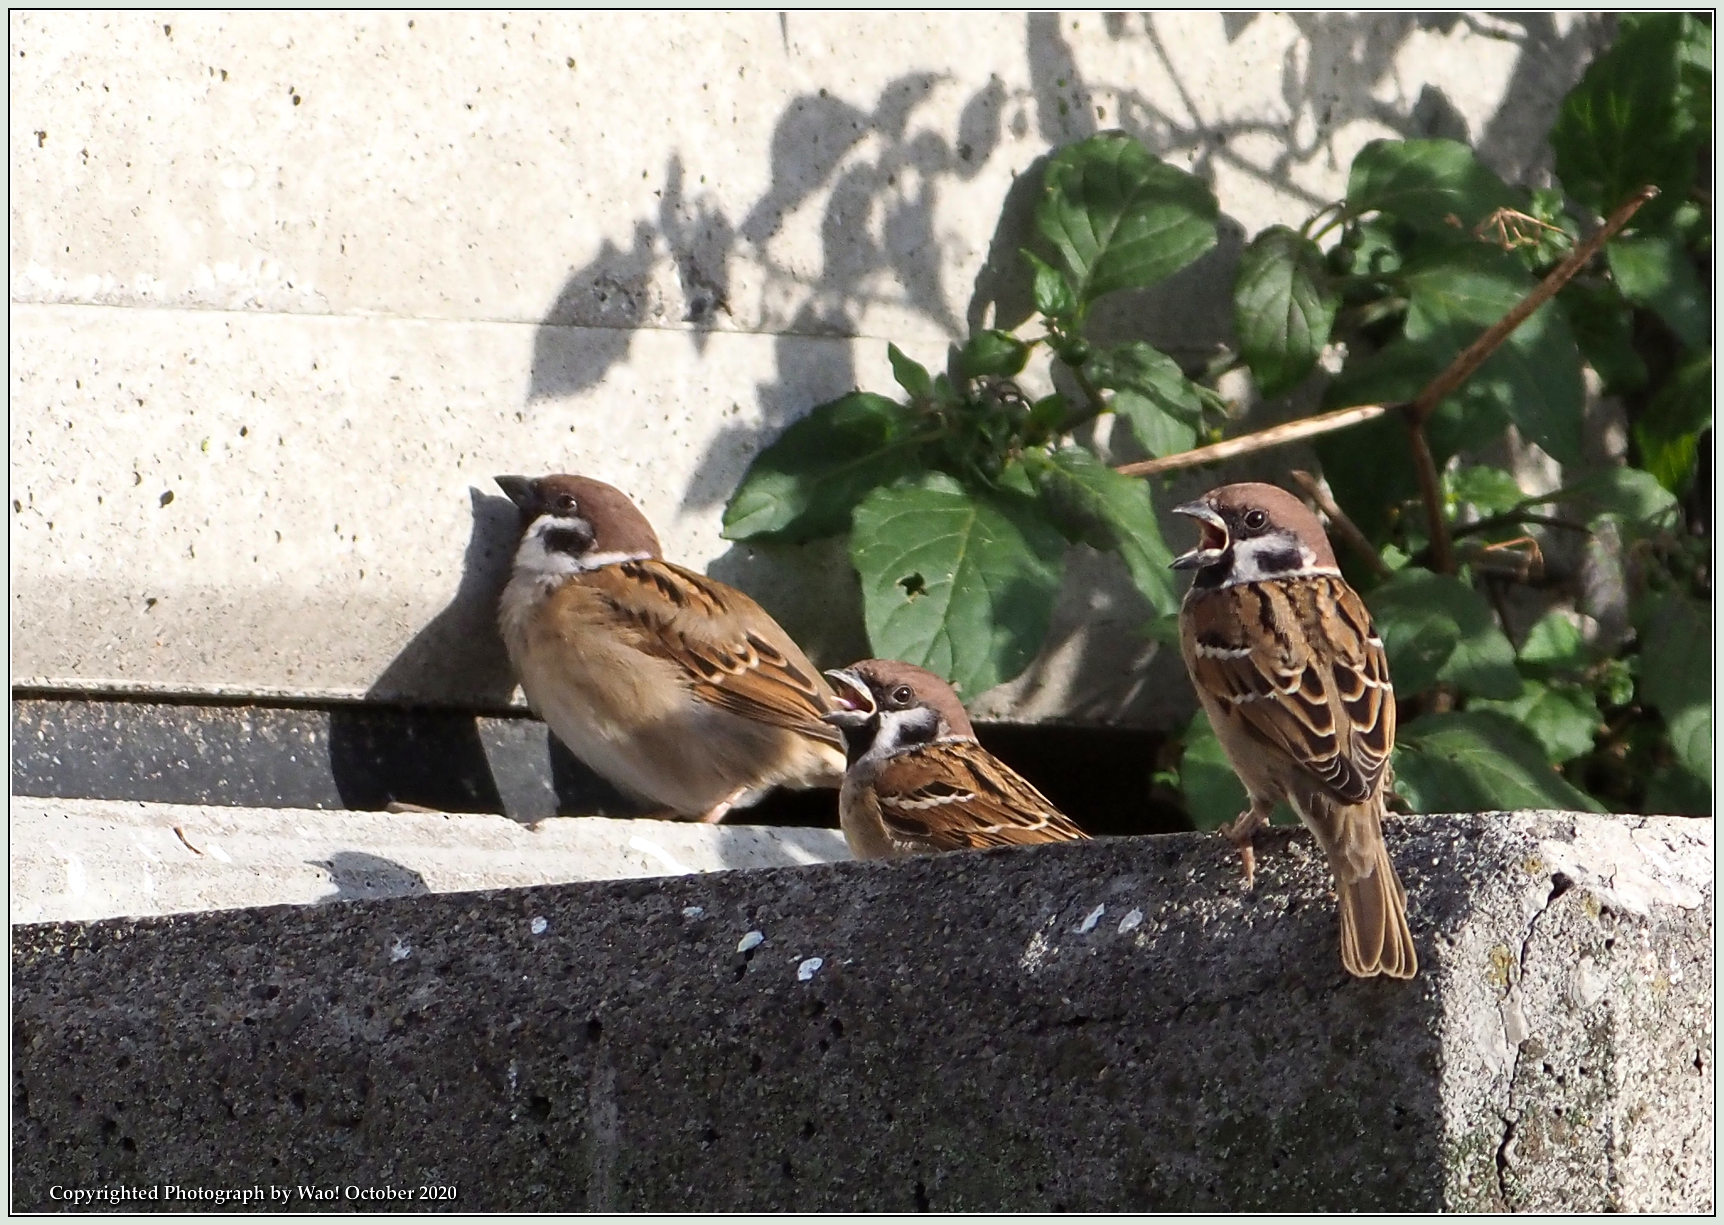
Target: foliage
960	494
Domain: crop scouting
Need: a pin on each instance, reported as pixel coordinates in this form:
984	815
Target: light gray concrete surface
1109	1025
99	859
317	277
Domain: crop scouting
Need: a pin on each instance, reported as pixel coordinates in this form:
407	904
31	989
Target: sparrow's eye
901	695
566	503
1256	520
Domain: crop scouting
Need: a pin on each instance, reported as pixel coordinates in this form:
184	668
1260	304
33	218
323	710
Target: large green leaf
960	581
1436	628
1631	119
1213	793
1603	327
1631	496
1479	761
1691	738
1489	489
1283	308
1677	791
805	484
1151	392
1096	505
1554	643
1675	652
1668	431
1438	186
1454	293
1120	217
1654	270
1564	718
1053	294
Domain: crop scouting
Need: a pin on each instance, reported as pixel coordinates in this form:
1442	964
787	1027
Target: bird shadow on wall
873	173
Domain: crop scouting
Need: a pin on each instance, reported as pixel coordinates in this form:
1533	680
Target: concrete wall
1100	1026
286	290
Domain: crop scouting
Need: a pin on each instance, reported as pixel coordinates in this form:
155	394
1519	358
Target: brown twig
1262	440
1340	524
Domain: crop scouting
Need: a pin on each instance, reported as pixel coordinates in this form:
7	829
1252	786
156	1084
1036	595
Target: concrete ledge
1088	1026
99	859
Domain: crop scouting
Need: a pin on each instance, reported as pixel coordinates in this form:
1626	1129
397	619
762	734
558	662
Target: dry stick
1342	526
1458	370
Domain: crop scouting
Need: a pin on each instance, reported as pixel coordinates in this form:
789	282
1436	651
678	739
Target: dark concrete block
1109	1026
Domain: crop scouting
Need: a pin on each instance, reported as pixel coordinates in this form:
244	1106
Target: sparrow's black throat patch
576	539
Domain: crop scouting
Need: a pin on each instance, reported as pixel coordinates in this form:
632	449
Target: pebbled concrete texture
98	859
287	289
1101	1026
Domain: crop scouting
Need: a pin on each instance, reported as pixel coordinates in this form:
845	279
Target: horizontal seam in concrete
389	317
97	689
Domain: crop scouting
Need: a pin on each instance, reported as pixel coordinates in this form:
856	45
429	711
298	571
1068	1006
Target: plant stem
1262	440
1431	493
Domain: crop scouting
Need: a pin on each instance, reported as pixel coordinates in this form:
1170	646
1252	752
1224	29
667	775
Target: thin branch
1262	440
1517	518
1340	524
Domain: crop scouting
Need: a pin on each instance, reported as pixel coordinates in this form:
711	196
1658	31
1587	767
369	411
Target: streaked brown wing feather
736	656
1315	686
954	795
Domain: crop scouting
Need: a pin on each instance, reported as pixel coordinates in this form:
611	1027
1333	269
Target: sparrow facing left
675	687
1294	678
918	779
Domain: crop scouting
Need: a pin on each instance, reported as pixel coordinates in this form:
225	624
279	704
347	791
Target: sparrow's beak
1211	545
852	704
520	490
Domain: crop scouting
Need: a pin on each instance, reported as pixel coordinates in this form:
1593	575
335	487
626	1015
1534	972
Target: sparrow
917	779
1289	667
676	688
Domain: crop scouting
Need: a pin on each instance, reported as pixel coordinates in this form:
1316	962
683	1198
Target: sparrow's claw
1240	832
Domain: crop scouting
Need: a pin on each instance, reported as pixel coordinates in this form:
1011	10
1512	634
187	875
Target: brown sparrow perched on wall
674	687
1290	669
918	780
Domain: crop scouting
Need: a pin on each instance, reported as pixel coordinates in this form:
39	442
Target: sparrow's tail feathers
1375	938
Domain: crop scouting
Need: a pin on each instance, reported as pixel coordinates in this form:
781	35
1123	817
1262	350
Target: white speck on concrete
213	849
653	850
1091	919
1039	949
752	940
1132	921
400	950
77	884
809	968
539	925
694	912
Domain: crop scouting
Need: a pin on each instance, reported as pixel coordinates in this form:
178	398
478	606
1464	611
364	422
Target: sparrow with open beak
676	688
1293	676
918	780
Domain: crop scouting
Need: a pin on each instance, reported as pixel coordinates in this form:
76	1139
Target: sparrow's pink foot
1240	832
716	813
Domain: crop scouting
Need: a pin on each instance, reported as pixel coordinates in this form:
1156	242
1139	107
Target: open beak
1212	544
852	704
520	490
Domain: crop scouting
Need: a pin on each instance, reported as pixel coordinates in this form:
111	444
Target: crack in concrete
1560	883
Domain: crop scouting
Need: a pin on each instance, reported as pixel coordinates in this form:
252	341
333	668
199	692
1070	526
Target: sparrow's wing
736	656
955	795
1300	665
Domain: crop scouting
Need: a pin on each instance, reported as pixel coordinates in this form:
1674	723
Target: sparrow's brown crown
1235	514
601	519
882	685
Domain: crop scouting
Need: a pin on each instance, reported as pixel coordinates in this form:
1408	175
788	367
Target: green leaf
912	376
1603	326
1053	294
1668	431
960	581
1283	308
1454	293
1553	642
1631	496
1213	793
806	483
1675	652
1436	628
1630	120
1691	738
1097	506
1120	217
1677	791
1438	186
1479	761
1563	718
1694	75
1151	393
992	353
1490	489
1654	270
